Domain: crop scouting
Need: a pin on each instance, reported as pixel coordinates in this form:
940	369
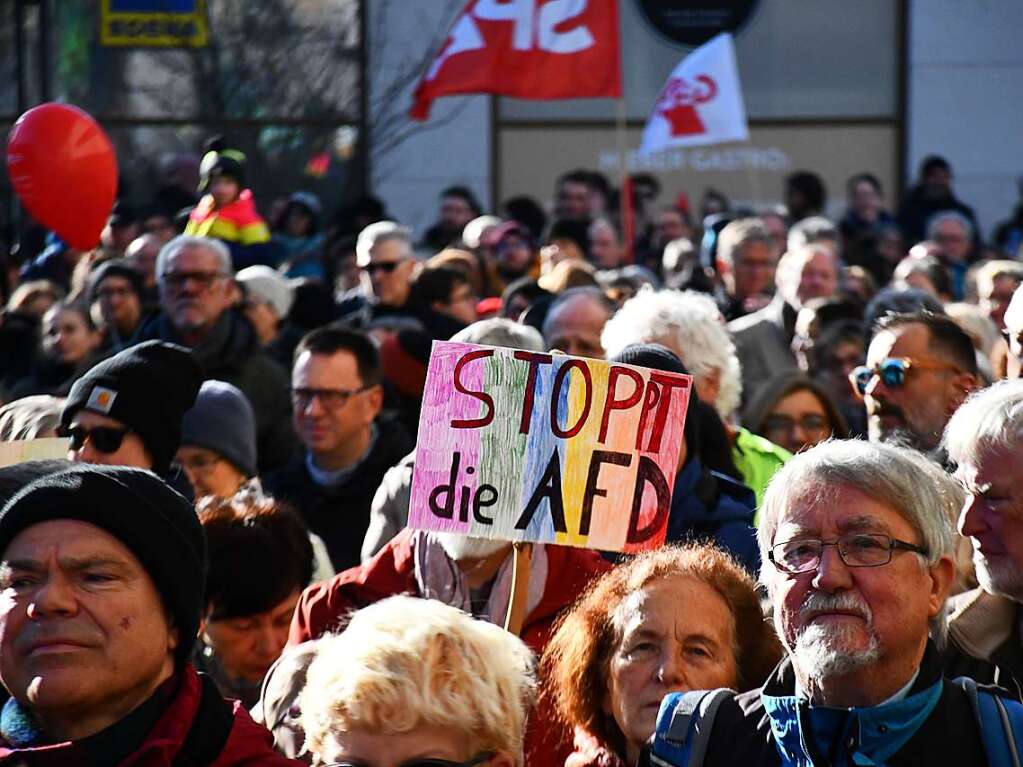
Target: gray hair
689	323
377	233
900	478
810	230
185	241
989	419
498	331
948	215
737	235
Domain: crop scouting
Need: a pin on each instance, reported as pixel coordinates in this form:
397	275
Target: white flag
701	103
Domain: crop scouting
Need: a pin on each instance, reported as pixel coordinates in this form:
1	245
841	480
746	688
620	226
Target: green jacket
757	459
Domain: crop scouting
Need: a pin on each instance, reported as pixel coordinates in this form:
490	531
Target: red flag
534	49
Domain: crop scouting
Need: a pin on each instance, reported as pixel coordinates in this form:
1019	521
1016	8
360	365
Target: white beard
824	651
460	547
830	649
998	577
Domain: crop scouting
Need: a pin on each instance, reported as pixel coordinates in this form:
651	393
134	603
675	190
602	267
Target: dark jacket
917	208
339	514
186	716
708	505
392	571
232	353
747	726
984	641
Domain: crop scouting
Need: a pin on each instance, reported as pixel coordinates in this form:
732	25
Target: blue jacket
709	505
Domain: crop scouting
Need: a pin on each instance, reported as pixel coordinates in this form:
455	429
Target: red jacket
323	607
247	745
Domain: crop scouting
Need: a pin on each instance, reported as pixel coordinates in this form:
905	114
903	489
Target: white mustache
818	602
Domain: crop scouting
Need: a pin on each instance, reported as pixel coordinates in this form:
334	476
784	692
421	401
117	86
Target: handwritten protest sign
525	446
32	450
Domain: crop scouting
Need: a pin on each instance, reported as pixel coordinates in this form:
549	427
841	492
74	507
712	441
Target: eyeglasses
382	266
892	372
783	424
106	439
428	762
177	280
803	555
330	399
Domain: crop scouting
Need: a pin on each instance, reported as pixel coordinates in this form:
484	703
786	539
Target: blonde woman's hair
405	662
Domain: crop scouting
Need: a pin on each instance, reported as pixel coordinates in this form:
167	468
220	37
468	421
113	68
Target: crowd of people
220	571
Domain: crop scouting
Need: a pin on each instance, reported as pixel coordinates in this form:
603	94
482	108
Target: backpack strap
684	724
210	729
1001	724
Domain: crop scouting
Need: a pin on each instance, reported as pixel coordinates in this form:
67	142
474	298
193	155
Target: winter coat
339	513
916	210
231	352
984	641
763	343
569	571
388	513
195	721
238	225
756	728
757	459
709	505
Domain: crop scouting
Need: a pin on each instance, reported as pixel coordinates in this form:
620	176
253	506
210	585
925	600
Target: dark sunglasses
891	371
428	762
382	266
106	439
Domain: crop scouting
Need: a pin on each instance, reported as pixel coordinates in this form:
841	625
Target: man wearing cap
127	410
115	301
268	299
102	573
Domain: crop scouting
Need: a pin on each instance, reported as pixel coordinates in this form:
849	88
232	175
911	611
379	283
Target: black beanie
139	509
115	267
147	387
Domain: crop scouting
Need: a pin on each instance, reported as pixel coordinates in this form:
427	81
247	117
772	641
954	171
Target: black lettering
447	510
598	458
549	488
479	502
648	472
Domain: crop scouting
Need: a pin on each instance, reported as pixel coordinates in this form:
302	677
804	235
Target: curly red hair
575	664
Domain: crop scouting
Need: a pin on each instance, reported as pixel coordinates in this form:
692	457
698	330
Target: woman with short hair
412	681
676	619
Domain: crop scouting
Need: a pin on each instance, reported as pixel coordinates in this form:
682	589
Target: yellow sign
154	23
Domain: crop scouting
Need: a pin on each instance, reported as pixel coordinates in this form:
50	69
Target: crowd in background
266	359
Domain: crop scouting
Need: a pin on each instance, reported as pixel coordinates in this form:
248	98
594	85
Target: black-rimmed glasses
330	399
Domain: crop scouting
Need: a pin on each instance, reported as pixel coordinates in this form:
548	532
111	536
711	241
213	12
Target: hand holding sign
526	446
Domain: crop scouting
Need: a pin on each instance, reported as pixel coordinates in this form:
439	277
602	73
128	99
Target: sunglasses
382	266
428	762
892	372
106	439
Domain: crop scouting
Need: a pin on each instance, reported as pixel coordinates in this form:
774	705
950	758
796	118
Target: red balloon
63	167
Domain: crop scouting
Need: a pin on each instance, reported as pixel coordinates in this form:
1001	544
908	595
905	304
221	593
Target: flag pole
625	197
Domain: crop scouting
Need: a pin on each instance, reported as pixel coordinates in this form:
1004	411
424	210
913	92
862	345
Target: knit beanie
222	420
268	286
139	509
225	162
116	267
148	388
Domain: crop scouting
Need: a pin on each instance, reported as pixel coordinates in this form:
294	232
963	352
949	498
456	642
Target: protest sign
526	446
32	450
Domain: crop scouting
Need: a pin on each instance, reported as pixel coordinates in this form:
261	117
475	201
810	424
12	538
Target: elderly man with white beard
856	542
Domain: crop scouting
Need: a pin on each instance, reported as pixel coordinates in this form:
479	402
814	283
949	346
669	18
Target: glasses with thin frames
892	372
803	555
476	760
330	399
106	439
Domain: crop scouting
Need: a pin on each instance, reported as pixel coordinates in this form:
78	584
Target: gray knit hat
222	420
